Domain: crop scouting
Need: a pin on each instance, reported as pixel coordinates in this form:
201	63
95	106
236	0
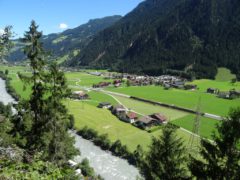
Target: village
167	81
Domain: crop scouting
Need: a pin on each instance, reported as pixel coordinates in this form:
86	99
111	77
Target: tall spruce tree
166	157
42	122
5	43
221	159
60	143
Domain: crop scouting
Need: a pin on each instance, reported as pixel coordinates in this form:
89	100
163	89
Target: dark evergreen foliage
166	158
196	36
42	122
220	159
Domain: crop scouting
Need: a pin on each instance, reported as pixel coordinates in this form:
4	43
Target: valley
87	114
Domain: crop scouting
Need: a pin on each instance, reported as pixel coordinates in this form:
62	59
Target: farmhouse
146	122
117	83
131	117
105	105
212	90
190	87
178	84
234	94
101	84
119	110
81	95
159	117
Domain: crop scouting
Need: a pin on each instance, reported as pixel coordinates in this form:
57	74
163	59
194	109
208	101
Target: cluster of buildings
232	94
125	115
80	95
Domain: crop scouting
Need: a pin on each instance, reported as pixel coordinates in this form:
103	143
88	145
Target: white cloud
1	32
63	26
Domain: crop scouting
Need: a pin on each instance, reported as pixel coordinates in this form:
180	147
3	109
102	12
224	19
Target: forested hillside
195	36
69	43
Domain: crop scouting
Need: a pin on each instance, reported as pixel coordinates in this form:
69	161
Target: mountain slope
69	43
196	36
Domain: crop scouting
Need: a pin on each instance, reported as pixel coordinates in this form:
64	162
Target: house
190	87
146	122
224	95
119	111
178	84
101	84
159	117
117	83
131	117
81	95
212	90
234	94
105	105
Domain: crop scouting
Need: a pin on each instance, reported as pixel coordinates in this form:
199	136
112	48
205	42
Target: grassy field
224	74
97	97
104	122
188	99
86	113
207	126
147	109
83	79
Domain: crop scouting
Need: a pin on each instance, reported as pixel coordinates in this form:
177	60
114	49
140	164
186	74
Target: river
104	163
4	96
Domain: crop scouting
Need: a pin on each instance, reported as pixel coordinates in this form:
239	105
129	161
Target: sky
54	16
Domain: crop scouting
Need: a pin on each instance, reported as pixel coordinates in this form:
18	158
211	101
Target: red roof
159	117
132	115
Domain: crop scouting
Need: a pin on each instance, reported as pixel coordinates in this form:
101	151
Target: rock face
194	36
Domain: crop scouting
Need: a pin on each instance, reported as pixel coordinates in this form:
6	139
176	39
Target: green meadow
206	127
188	99
83	79
224	74
104	122
87	114
147	109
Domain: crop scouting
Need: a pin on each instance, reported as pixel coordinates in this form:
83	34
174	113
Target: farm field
86	113
147	109
104	122
188	99
206	128
224	74
83	79
97	97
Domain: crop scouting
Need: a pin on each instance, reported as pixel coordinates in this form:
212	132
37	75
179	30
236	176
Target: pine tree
221	159
5	43
166	157
42	122
60	143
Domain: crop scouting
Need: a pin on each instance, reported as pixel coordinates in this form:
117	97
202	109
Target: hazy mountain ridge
70	42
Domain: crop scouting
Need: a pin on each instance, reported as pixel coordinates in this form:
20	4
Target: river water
105	164
4	96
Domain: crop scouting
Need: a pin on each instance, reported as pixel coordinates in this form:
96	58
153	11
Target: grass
188	99
86	113
147	109
207	126
60	39
83	79
104	122
224	74
97	97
